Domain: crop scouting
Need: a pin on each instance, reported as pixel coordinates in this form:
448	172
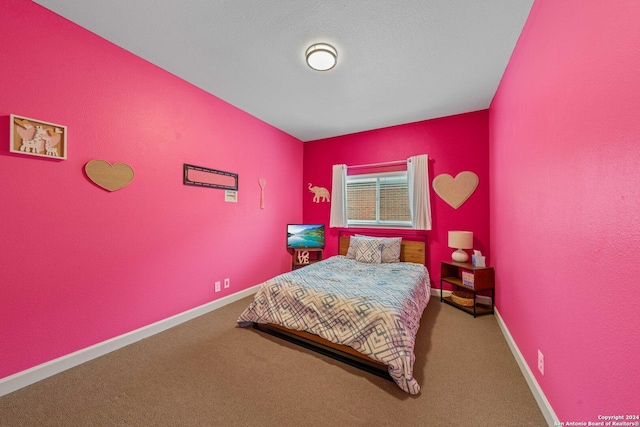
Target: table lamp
460	240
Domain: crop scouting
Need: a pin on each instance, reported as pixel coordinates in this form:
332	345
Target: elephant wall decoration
319	194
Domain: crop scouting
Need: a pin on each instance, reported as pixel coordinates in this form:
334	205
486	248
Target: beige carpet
208	372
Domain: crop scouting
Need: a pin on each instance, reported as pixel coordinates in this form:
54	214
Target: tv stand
302	257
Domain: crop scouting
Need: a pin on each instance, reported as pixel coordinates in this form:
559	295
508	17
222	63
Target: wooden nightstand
473	280
298	257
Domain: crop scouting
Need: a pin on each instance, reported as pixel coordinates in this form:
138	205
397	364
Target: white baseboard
543	403
37	373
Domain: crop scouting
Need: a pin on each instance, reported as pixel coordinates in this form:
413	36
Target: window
378	199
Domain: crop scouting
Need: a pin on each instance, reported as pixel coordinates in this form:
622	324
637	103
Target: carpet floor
209	372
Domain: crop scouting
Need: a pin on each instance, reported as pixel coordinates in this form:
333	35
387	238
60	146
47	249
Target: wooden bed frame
410	251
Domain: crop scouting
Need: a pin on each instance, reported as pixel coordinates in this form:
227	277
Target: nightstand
470	279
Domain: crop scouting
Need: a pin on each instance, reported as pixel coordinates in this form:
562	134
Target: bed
358	310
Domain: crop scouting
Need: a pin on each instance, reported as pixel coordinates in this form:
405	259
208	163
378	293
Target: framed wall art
37	138
212	178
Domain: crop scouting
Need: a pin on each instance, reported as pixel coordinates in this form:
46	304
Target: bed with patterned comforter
373	308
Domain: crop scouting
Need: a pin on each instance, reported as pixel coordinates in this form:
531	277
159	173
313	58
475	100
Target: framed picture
37	138
206	177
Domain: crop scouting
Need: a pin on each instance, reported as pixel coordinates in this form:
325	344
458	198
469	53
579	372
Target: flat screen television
305	236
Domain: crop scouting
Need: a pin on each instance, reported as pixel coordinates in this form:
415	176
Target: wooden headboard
410	250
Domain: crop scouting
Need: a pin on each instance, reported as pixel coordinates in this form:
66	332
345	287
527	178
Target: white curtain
418	181
339	197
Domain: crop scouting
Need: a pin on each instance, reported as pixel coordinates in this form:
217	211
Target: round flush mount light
321	56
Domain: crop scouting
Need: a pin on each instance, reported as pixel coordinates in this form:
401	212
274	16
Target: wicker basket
463	298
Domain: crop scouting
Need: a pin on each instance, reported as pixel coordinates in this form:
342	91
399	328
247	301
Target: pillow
353	246
390	250
369	251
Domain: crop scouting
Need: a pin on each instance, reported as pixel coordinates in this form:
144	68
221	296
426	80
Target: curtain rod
394	163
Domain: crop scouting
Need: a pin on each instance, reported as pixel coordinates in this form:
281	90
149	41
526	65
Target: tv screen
305	236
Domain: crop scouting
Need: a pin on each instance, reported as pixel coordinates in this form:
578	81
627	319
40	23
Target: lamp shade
460	240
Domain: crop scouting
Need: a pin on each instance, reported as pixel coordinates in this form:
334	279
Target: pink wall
453	144
82	265
565	193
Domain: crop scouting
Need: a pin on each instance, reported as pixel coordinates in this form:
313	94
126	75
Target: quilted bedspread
373	308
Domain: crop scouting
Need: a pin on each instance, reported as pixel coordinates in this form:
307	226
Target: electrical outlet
218	286
227	283
540	362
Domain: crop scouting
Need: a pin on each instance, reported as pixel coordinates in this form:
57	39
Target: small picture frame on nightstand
468	279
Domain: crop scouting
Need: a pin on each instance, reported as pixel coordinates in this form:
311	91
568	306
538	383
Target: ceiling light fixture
321	56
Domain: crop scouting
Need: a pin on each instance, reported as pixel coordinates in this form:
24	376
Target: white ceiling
398	61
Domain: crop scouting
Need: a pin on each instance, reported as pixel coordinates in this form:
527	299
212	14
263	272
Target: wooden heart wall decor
108	176
455	191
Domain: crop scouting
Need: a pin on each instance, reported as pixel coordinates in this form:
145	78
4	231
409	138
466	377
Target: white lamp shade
460	240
